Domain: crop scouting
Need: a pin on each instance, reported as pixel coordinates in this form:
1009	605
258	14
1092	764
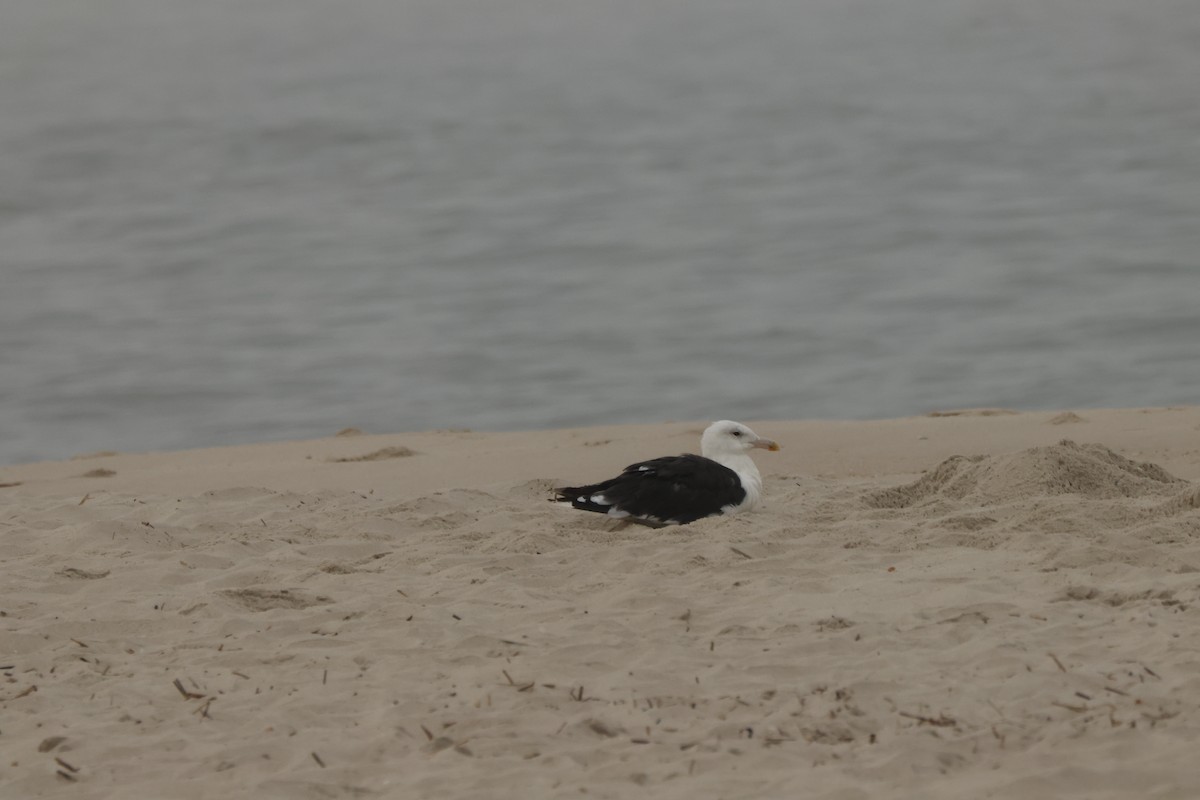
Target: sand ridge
1013	622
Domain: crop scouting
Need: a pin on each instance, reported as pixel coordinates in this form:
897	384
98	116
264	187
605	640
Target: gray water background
244	220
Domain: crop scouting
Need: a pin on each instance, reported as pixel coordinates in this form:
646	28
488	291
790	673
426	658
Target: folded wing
673	490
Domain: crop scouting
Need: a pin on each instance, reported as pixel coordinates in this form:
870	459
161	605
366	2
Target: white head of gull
729	444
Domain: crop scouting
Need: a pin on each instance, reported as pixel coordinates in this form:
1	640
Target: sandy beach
968	604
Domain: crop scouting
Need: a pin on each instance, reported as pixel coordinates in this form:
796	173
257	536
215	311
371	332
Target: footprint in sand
378	455
973	412
266	599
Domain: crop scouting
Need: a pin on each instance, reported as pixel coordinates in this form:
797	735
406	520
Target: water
239	221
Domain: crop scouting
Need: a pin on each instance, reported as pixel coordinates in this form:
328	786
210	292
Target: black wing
674	489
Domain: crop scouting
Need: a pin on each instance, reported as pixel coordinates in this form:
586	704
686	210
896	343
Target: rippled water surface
236	221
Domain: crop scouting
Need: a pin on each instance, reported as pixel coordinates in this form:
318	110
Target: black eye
736	433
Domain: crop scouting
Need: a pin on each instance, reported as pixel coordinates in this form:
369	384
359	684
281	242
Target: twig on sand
1160	716
186	694
1056	661
940	721
317	759
741	553
1069	706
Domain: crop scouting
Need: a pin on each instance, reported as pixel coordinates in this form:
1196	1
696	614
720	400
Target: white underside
747	472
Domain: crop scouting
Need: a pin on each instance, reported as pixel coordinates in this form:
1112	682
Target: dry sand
952	606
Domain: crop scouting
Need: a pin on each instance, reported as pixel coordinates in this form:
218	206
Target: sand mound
1065	506
1090	470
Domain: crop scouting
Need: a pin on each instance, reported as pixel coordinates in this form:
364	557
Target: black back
677	489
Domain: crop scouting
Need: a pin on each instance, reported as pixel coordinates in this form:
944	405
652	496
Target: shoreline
444	459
